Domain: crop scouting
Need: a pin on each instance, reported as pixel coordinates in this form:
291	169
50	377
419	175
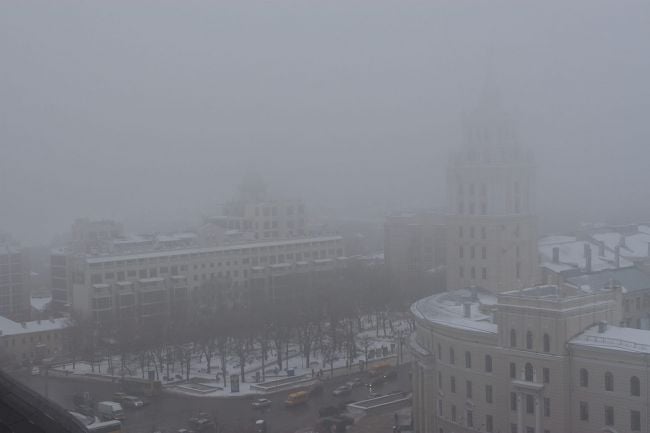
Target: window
468	389
584	378
547	343
473	272
528	372
546	374
489	424
529	340
440	407
470	419
439	351
609	381
452	383
472	252
461	272
488	393
483	233
609	415
461	252
484	252
440	380
518	269
453	412
530	404
488	364
513	371
547	406
513	401
468	360
484	273
452	356
584	411
635	420
635	386
513	338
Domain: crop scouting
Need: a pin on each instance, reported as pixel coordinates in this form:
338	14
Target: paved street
170	412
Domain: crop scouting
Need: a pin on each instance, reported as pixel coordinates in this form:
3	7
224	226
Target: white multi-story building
150	284
542	359
491	224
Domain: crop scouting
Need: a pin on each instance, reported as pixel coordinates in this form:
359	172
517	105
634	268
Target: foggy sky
153	111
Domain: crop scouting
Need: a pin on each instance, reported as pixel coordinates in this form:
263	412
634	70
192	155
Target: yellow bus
379	369
296	398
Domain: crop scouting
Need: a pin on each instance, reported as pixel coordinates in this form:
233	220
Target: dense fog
151	112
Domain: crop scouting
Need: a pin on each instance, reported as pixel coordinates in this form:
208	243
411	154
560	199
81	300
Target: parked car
109	410
36	371
261	403
342	390
131	402
260	426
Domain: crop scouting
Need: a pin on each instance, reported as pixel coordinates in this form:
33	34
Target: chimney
588	258
467	309
601	249
602	326
556	255
617	256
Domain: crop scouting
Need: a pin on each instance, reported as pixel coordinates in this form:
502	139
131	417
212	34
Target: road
170	412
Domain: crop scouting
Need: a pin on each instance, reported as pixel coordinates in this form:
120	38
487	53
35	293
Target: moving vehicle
342	390
260	426
379	369
390	374
112	426
354	382
108	410
261	403
296	398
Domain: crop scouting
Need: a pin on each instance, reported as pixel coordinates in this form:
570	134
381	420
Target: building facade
491	224
542	359
148	285
414	252
14	282
31	341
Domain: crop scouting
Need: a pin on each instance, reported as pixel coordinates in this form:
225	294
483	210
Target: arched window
513	338
635	386
609	381
547	343
529	340
452	356
528	372
584	377
468	360
488	364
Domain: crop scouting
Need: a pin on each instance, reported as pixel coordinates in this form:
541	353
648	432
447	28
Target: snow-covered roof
40	303
447	309
632	246
615	338
630	279
572	255
9	327
185	251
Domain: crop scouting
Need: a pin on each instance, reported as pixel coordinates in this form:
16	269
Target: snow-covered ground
212	384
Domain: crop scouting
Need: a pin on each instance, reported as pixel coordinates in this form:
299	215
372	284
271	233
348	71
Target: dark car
328	411
339	422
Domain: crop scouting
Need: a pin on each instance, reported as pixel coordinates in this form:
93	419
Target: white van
108	410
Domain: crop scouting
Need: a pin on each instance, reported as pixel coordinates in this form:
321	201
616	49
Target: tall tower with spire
491	221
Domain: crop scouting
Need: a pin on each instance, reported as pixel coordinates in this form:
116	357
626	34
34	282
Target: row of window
469	417
546	340
472	252
472	232
468	359
608	382
609	416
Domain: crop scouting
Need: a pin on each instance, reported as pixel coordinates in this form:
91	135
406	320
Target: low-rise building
32	341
